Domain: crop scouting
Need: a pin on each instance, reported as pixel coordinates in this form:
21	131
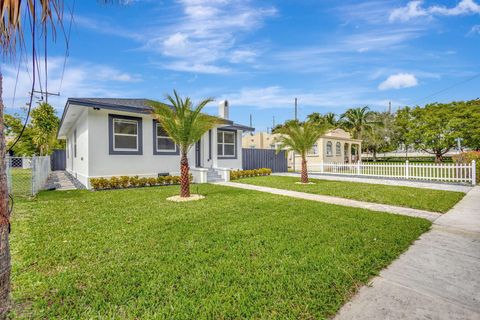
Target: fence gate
58	160
264	158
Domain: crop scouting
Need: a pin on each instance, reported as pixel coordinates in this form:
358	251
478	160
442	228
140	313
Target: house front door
198	155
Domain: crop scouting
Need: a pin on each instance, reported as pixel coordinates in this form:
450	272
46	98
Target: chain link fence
26	176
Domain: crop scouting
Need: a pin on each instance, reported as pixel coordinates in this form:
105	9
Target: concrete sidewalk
437	278
432	216
388	182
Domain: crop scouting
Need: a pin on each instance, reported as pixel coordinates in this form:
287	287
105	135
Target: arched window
329	149
338	149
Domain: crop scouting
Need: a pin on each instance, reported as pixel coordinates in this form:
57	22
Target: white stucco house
118	137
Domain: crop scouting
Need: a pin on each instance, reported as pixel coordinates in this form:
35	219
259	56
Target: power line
448	88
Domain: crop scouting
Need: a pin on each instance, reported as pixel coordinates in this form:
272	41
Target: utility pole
389	107
296	110
296	117
46	94
273	122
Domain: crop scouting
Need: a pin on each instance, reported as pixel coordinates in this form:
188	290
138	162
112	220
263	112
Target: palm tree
42	14
300	138
357	121
185	125
331	118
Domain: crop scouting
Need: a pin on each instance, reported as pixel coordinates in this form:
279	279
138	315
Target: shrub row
238	174
130	182
467	157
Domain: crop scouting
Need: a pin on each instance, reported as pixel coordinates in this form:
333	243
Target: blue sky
260	55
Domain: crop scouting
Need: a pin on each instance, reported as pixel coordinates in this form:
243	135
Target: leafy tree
14	126
300	138
44	127
431	129
380	136
186	125
466	122
357	121
330	118
401	126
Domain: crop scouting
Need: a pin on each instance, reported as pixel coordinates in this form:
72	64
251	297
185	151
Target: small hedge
468	157
238	174
132	182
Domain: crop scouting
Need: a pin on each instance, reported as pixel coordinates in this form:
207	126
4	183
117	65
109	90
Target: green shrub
114	183
161	180
142	182
175	179
468	157
168	179
124	181
134	181
238	174
152	181
95	183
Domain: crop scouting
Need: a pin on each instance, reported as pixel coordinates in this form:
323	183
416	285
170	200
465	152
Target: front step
213	176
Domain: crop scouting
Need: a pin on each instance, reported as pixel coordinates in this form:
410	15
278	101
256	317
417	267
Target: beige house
334	146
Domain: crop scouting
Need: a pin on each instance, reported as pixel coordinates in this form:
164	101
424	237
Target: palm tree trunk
4	220
304	170
184	179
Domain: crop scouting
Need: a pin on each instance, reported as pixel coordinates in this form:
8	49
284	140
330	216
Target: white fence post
407	174
321	167
358	167
474	173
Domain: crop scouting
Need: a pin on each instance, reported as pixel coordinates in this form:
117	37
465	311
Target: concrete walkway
388	182
432	216
62	180
438	277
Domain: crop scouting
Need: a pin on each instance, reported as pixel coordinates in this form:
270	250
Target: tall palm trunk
304	178
185	176
4	220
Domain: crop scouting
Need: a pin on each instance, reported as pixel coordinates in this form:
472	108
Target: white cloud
415	9
205	38
81	79
399	81
475	30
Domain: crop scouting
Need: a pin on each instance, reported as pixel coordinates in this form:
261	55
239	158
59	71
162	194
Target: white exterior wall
78	166
103	164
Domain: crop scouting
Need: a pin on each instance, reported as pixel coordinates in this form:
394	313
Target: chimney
223	111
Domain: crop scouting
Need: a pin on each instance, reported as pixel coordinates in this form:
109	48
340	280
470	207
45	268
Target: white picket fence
446	172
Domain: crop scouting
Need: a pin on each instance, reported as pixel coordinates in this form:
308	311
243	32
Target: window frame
111	135
329	143
235	144
315	149
338	148
161	152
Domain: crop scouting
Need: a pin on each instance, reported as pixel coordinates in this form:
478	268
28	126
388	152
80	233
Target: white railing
446	172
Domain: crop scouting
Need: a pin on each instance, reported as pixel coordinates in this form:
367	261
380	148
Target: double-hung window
329	149
125	135
226	144
162	143
338	149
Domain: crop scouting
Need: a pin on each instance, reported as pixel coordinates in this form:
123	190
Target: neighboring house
119	137
334	146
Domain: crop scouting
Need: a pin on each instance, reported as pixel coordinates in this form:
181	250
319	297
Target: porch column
349	153
214	148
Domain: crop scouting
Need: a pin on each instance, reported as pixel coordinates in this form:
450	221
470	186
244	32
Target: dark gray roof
135	105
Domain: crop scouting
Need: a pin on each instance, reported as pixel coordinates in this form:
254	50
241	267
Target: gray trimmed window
226	144
162	143
125	135
338	149
329	149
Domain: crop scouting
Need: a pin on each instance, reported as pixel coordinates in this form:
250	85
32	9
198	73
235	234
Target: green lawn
417	198
130	254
